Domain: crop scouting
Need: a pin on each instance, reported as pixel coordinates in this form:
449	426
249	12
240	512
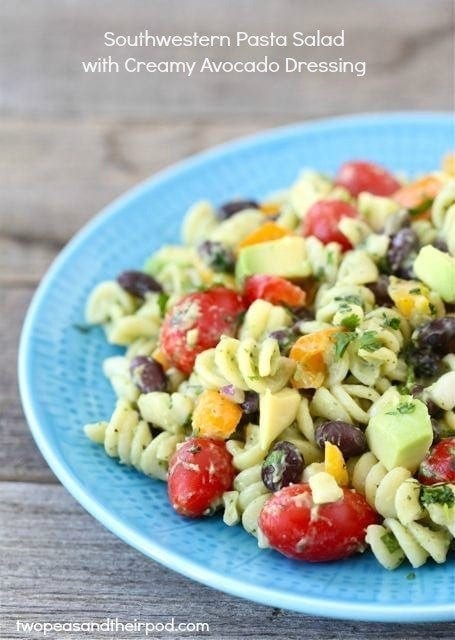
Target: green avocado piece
276	412
286	257
437	270
400	434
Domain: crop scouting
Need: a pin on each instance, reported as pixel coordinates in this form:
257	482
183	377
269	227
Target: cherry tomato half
322	219
360	176
299	529
273	289
200	472
197	322
439	464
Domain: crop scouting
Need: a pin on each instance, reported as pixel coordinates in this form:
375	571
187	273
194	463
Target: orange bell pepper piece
308	353
418	196
265	233
334	463
215	416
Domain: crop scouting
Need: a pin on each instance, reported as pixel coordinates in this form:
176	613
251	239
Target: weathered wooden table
70	142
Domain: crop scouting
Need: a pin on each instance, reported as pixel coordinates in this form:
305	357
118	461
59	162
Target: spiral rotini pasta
117	371
395	495
108	302
245	501
262	318
297	344
168	411
246	364
343	402
129	439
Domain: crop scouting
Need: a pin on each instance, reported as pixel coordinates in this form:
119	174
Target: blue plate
62	385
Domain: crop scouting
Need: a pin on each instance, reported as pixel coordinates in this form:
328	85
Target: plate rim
35	415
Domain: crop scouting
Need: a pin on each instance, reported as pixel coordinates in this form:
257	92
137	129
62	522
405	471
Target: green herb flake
432	308
416	291
342	339
352	299
390	542
162	302
403	409
351	322
411	576
437	494
393	323
369	341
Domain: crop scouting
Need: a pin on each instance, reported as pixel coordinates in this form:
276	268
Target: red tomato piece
207	315
322	219
298	528
200	472
439	464
358	176
273	289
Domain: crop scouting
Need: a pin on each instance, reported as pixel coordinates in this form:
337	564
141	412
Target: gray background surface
71	142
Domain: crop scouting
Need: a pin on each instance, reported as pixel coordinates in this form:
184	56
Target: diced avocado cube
286	257
277	411
400	435
437	270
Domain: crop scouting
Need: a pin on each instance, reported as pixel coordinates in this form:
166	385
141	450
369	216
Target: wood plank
60	565
19	456
56	175
42	51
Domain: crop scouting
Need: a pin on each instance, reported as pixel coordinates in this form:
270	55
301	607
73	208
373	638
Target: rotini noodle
129	439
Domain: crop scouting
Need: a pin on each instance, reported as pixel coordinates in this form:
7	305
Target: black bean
349	439
285	339
438	334
401	252
424	360
283	466
379	289
396	221
217	256
303	314
148	375
440	244
228	209
437	431
138	283
433	409
251	403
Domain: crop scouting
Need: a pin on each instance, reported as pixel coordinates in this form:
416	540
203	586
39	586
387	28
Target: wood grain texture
70	144
47	78
60	173
72	569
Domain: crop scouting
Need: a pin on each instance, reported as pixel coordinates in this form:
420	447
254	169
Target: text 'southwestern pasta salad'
291	365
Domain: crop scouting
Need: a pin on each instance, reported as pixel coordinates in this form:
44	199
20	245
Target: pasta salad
291	365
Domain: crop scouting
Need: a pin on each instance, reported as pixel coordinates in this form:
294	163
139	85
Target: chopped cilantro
342	339
352	299
369	341
421	207
416	291
403	409
411	576
390	542
437	494
351	322
432	308
162	302
393	323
